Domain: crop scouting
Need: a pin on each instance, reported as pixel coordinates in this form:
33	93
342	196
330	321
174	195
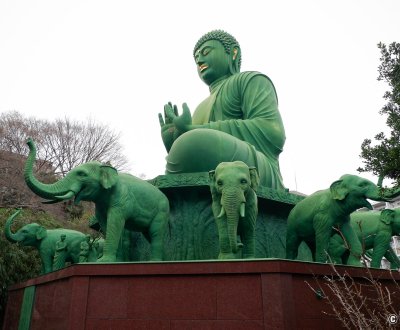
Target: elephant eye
219	182
244	181
81	173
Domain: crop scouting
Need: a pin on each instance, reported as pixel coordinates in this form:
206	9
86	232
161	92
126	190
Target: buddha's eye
206	51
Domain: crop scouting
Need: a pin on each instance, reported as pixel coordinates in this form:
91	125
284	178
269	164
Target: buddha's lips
203	67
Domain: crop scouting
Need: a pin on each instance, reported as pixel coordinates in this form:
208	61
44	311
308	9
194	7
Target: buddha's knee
196	150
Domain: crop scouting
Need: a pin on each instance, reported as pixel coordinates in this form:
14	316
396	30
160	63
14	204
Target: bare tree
62	144
14	129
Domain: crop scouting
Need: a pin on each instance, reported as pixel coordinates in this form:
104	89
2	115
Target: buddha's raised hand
173	124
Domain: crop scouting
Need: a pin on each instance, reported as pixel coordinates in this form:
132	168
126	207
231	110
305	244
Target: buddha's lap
203	149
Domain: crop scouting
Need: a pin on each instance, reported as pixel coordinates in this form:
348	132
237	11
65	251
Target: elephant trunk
232	202
7	229
385	195
390	194
56	192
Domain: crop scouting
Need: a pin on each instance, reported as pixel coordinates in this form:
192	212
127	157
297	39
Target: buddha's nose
199	63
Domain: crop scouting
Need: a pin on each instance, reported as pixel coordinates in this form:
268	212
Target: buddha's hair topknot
223	37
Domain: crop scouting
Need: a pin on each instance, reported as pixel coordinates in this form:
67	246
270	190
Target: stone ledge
201	179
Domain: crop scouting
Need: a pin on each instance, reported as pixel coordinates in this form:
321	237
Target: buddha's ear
235	59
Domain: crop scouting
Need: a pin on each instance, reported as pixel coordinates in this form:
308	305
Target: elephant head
233	184
29	235
85	182
391	218
353	191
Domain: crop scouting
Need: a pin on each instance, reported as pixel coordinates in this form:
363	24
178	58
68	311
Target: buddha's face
212	61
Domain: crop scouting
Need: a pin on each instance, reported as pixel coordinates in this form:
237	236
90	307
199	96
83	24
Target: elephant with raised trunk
121	201
234	205
44	240
314	219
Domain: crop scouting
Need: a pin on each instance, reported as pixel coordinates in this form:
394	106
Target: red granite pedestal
258	294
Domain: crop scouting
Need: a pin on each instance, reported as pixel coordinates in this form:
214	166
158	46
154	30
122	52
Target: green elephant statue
45	241
374	230
319	216
121	201
234	205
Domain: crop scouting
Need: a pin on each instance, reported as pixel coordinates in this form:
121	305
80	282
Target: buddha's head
217	54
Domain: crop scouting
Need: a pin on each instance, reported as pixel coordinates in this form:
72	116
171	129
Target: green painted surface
56	247
122	201
239	120
375	230
312	219
192	232
26	308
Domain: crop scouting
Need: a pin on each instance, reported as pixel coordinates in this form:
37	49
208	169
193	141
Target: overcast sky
120	62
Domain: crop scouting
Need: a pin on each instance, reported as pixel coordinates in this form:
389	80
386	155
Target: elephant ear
339	190
254	178
211	175
41	233
108	176
387	216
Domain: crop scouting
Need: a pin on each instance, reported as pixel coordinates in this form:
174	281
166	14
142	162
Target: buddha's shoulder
247	76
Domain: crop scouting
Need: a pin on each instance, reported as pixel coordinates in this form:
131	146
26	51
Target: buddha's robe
240	121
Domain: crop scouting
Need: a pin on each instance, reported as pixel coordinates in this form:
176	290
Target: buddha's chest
219	106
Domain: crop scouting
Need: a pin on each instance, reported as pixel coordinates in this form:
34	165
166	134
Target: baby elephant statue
234	205
314	219
374	230
121	201
45	241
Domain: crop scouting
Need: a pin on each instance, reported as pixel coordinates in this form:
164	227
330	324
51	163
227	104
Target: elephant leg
47	263
115	226
354	244
156	233
247	234
391	256
377	258
336	249
381	244
292	245
321	245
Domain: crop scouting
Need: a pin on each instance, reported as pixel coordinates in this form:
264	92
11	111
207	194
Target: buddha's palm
169	134
174	124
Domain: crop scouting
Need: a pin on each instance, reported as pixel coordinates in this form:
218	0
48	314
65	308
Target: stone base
256	294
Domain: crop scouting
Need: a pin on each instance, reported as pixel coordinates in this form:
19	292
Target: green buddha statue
239	120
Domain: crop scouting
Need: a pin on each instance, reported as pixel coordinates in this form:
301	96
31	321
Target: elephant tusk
52	201
222	213
242	209
68	195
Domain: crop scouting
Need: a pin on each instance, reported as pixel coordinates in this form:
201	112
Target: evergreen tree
382	157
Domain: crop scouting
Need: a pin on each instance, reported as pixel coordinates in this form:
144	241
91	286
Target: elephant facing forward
234	205
45	240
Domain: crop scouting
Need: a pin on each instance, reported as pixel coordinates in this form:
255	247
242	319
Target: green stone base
192	232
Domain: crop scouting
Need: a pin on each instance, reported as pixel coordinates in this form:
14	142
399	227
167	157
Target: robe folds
240	120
